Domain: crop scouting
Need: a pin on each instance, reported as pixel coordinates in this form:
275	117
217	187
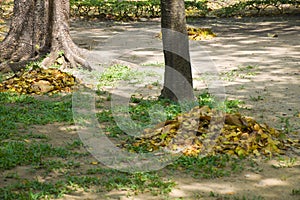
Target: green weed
230	197
74	145
146	113
296	192
285	162
34	190
244	72
4	76
228	106
16	153
156	64
136	182
117	73
256	98
24	109
208	167
286	125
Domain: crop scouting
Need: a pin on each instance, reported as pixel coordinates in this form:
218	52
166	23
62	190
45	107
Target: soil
270	89
268	44
270	179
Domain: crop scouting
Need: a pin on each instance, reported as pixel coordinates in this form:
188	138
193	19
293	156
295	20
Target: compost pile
194	132
39	81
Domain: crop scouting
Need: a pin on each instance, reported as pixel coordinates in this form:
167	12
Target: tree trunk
178	81
39	27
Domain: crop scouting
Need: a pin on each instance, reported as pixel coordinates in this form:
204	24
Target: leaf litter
196	33
209	130
39	81
201	130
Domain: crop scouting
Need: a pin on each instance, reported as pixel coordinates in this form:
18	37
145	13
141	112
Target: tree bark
178	81
39	27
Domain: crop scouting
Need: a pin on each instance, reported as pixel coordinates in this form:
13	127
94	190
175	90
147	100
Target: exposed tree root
40	28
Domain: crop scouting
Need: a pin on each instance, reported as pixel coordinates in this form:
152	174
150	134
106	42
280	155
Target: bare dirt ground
269	88
265	179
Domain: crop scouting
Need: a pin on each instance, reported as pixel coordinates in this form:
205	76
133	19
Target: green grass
34	151
140	109
285	162
235	197
4	76
155	64
228	106
24	110
208	167
15	153
296	192
142	114
285	124
104	179
113	74
136	182
242	72
256	98
34	190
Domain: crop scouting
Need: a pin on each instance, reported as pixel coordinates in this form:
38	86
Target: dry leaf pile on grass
194	132
39	81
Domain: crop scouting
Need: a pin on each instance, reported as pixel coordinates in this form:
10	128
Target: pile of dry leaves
39	81
202	128
200	33
195	33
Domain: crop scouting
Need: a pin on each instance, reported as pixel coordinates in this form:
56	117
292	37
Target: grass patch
14	153
104	179
146	112
26	110
33	190
154	64
296	192
136	182
208	167
235	197
33	150
228	106
243	72
116	73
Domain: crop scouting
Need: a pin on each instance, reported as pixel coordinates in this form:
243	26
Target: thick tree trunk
178	81
39	27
